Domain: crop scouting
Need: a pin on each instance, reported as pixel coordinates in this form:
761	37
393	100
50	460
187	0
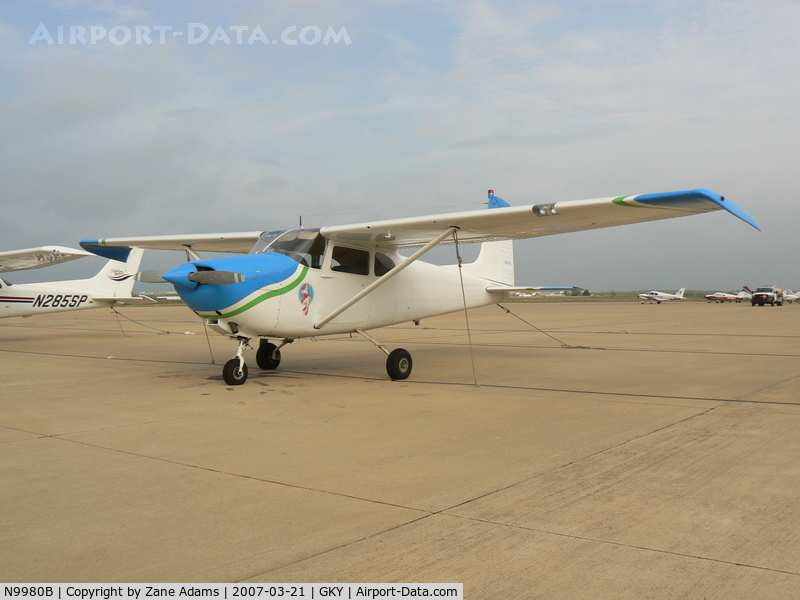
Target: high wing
36	258
505	223
537	220
117	248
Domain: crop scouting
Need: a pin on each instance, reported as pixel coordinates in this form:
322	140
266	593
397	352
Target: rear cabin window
383	264
350	260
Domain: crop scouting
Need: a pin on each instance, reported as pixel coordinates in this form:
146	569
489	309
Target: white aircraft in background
745	294
112	285
659	297
790	296
350	278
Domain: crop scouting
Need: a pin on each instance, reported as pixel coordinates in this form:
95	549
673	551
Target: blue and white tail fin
679	293
115	279
496	259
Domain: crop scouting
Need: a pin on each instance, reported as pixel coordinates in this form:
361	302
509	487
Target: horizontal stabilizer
531	288
124	300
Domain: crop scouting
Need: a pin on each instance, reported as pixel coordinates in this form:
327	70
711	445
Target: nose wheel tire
399	364
234	372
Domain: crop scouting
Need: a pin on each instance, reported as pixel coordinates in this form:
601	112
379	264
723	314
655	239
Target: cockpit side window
315	251
306	246
350	260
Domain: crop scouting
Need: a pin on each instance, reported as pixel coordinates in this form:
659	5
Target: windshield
306	246
764	289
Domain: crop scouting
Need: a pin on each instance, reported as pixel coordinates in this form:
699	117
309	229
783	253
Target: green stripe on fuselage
265	296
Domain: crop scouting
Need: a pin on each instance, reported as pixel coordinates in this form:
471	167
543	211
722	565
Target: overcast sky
419	106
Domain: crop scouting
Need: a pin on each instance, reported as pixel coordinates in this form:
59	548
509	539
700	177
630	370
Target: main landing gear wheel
234	372
399	364
268	356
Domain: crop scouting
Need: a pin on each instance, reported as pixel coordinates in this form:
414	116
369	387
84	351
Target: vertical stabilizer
496	259
679	293
116	278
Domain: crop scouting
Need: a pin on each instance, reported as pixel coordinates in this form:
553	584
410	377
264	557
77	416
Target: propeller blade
216	277
150	277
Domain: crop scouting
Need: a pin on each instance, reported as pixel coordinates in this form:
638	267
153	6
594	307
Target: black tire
268	356
399	364
232	374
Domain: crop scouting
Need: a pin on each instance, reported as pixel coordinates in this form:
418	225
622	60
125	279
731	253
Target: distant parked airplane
112	285
659	297
721	297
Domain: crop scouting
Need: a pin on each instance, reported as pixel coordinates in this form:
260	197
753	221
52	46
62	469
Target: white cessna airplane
659	297
350	278
112	285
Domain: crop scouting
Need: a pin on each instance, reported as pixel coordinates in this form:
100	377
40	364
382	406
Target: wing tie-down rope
466	312
563	344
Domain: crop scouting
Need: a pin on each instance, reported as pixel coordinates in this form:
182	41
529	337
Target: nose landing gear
268	357
235	370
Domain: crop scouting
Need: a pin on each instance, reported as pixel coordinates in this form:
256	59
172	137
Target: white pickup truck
767	295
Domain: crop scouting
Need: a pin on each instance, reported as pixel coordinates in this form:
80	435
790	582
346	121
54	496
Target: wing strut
379	282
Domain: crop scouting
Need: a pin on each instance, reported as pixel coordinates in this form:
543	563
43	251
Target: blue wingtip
693	197
732	207
119	253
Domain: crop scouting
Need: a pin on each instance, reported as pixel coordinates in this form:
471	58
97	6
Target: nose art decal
306	296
